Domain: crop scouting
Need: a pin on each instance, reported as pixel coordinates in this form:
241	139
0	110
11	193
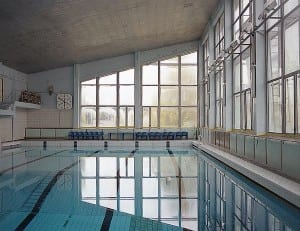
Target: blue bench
75	135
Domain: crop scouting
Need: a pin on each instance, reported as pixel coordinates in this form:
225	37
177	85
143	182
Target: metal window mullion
296	104
158	92
179	92
97	101
118	101
283	96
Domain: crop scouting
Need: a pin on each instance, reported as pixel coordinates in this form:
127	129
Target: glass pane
107	117
189	96
237	112
218	114
126	95
189	208
248	109
169	208
150	74
169	187
189	75
108	166
88	95
154	117
110	79
169	96
275	113
169	117
127	206
92	81
189	59
292	39
189	117
126	166
88	166
218	86
88	117
126	187
274	54
236	8
150	96
189	166
88	188
112	204
108	187
150	208
222	27
107	95
150	187
146	118
246	78
122	116
130	117
126	77
169	74
236	29
290	105
236	74
290	5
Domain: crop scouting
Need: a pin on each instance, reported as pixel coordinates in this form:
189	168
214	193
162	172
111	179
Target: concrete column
228	66
76	95
201	86
212	82
260	96
137	91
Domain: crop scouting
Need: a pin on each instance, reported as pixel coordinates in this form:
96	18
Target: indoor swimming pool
132	189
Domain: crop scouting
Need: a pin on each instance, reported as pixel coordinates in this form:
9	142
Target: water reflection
182	189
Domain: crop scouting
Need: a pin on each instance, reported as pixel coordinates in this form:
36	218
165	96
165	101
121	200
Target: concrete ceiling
37	35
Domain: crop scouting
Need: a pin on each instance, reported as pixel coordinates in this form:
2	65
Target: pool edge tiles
283	187
110	143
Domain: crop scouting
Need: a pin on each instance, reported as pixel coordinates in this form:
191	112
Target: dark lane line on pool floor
41	200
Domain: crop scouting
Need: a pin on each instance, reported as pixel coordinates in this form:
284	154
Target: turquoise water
144	189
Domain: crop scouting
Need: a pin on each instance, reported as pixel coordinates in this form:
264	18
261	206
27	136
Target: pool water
123	189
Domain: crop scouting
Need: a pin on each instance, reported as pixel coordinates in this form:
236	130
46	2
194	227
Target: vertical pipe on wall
76	94
228	66
137	91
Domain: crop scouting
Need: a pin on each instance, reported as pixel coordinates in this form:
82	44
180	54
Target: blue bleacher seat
71	135
185	134
171	135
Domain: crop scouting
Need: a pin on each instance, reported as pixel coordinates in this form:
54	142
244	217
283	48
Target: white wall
49	117
13	128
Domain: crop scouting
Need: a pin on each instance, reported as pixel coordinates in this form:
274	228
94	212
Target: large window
206	83
243	61
169	89
108	101
283	29
219	74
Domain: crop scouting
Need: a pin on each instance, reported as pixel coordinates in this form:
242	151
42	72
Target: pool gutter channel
283	187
